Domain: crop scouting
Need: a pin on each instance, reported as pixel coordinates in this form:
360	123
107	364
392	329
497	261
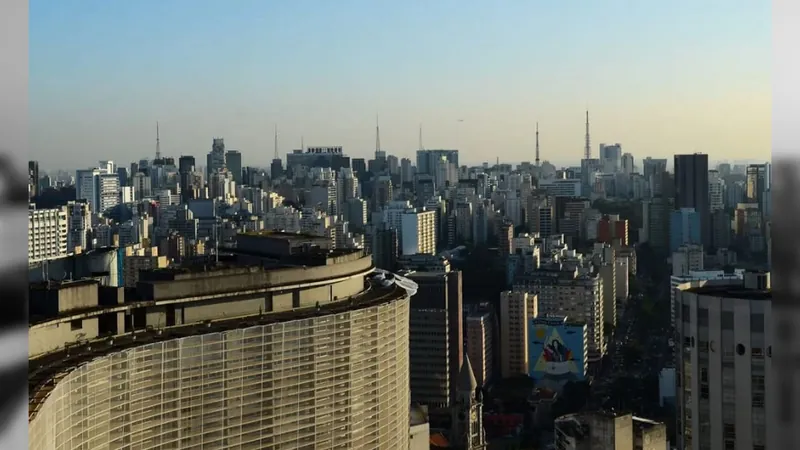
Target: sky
658	77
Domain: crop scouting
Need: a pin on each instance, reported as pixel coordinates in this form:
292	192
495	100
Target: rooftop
728	291
282	235
44	372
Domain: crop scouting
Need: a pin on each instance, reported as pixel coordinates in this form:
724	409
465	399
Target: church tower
467	414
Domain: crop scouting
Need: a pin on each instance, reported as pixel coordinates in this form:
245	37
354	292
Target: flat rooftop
739	292
282	235
46	371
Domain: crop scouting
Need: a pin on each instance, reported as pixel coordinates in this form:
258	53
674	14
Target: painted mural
555	351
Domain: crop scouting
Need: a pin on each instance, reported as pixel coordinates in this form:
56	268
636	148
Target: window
76	325
704	392
729	431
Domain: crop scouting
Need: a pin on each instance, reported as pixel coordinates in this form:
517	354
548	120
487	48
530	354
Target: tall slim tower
275	144
158	143
377	136
420	138
537	144
587	150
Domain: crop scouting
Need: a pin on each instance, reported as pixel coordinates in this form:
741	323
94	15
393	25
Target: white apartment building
79	219
715	191
567	291
47	234
687	258
98	187
284	218
724	371
561	187
85	186
696	278
107	191
418	232
516	308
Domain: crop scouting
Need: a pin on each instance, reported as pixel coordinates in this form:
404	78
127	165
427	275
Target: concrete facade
225	357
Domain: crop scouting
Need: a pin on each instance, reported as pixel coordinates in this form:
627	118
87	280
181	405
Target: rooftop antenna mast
302	146
421	147
587	149
158	143
537	144
377	136
276	143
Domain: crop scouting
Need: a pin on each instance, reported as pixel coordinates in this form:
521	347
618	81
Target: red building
612	227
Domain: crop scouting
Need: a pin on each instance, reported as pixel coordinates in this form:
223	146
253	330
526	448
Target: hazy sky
658	77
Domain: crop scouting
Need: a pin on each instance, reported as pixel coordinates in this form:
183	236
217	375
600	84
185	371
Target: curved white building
330	373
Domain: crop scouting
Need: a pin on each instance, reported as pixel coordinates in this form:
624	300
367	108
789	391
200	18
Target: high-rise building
215	160
479	331
687	258
216	371
47	234
382	192
516	308
427	160
79	219
724	364
757	184
654	170
99	187
505	236
716	187
328	157
628	164
418	232
406	171
684	228
655	223
691	190
562	290
107	191
33	179
436	336
611	157
385	247
233	162
611	227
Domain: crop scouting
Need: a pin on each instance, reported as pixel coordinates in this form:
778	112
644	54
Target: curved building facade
328	376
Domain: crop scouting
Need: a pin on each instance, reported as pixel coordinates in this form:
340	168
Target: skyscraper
233	161
691	189
216	157
33	178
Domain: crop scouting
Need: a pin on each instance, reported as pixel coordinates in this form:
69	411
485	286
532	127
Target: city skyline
688	83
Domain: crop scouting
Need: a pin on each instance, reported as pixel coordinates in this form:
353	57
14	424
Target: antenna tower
377	136
587	149
421	147
158	143
537	144
275	144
